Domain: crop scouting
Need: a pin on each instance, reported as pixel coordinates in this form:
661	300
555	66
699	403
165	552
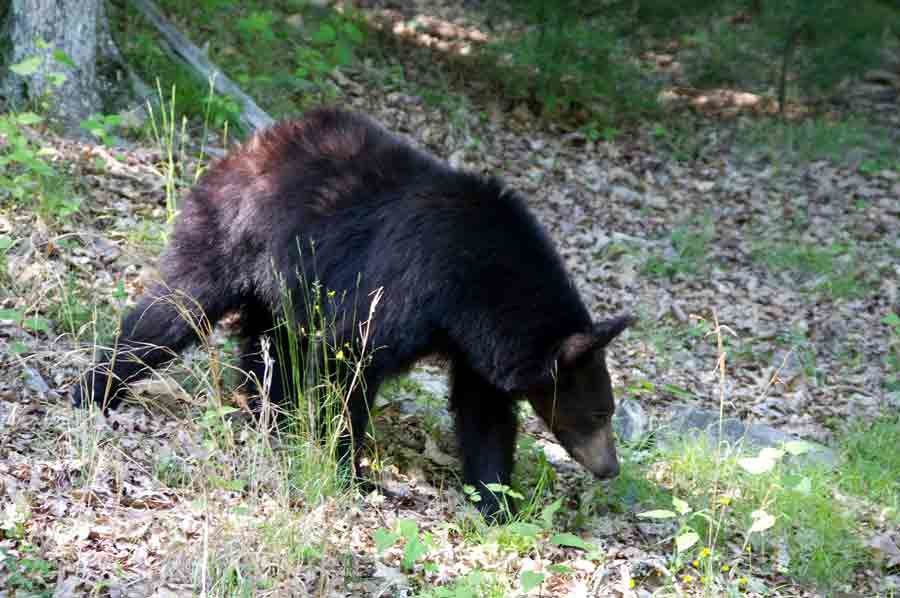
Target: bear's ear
574	347
607	330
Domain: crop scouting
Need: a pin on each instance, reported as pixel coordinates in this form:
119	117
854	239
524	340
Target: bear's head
578	403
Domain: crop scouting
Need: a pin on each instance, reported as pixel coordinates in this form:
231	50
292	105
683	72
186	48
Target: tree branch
252	117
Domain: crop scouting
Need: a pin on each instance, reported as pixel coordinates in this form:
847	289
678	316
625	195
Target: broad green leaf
560	569
5	242
10	314
681	506
384	539
658	514
686	540
756	465
773	454
412	552
408	528
325	34
524	529
797	447
548	512
28	118
504	490
226	484
342	54
57	79
353	32
531	580
679	392
570	540
36	324
27	67
63	58
761	521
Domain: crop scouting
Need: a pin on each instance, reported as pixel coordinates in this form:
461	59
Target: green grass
476	584
872	462
818	139
837	270
821	535
282	54
688	252
75	312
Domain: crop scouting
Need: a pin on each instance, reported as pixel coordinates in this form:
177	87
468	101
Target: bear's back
326	161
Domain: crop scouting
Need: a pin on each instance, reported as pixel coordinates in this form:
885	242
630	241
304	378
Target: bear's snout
607	471
595	451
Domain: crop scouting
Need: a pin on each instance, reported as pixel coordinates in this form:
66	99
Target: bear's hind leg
257	323
486	428
256	366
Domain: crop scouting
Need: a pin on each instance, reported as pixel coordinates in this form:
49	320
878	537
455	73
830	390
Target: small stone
36	382
657	202
630	421
686	422
625	195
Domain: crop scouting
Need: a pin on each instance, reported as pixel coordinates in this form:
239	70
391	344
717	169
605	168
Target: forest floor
690	223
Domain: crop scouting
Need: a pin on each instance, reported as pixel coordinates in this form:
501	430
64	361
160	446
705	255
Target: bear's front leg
486	429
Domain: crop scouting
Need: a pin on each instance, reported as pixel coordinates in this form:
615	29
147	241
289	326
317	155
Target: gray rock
557	456
625	195
36	382
657	202
432	381
630	421
688	422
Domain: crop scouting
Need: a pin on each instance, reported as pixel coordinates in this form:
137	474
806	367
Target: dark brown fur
466	271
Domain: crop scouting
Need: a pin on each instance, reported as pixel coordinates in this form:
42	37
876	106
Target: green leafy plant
834	269
872	464
257	26
101	126
414	546
44	63
333	45
25	172
33	323
688	252
568	61
475	584
25	570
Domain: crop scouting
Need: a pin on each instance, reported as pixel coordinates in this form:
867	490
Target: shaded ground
800	260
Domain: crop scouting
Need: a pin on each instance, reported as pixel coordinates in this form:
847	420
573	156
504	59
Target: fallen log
252	117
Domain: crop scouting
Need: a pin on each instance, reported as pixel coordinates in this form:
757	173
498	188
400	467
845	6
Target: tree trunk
75	28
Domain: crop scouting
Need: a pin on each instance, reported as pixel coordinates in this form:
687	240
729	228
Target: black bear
466	272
